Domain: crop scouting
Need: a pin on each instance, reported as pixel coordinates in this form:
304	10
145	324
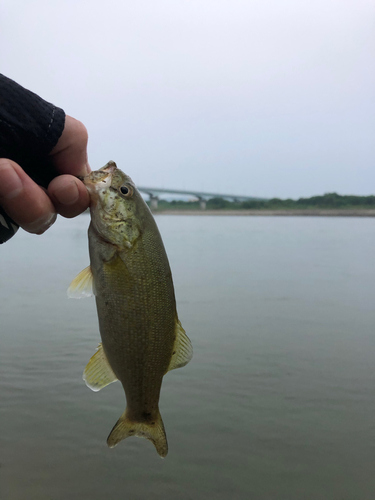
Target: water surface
277	403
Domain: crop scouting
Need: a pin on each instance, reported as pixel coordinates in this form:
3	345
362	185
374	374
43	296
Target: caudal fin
153	431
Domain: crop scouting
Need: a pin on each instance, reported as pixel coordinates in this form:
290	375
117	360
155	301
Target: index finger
70	153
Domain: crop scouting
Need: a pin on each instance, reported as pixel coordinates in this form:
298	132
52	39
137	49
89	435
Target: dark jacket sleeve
29	129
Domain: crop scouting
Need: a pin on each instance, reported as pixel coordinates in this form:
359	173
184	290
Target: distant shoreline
265	212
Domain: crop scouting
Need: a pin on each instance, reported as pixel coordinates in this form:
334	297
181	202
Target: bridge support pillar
202	204
154	202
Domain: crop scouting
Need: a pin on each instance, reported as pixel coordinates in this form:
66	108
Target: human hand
34	208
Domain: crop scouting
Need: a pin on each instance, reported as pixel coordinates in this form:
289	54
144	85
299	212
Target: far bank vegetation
326	201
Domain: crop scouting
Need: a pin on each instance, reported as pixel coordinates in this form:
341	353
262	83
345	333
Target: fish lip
109	168
87	181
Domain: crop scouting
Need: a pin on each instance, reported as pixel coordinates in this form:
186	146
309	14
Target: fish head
114	202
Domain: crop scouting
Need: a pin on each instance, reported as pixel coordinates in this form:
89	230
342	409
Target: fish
130	277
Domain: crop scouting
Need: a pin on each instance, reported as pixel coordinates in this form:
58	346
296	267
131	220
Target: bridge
154	194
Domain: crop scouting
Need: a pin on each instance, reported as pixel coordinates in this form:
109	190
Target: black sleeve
29	129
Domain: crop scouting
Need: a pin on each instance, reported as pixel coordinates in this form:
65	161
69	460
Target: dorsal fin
182	349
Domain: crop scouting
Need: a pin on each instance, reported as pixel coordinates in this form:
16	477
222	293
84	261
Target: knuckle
5	162
79	131
82	132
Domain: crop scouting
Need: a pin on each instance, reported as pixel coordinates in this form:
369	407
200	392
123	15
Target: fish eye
125	190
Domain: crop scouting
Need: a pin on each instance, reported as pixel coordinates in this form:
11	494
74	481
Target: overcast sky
255	97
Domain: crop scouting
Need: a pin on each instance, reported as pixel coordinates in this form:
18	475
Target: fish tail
152	430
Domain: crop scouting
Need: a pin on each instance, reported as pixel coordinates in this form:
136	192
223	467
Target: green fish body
142	338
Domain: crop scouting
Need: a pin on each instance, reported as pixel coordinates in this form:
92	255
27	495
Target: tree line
326	201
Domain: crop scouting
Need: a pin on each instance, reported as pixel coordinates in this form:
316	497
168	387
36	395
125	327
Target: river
278	402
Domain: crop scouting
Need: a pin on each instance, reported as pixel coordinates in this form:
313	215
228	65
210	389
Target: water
277	403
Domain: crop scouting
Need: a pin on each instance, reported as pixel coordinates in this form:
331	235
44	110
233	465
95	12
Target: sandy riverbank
295	213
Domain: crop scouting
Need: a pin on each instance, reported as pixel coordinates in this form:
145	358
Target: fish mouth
103	175
110	167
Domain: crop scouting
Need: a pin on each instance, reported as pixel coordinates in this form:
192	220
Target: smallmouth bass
129	274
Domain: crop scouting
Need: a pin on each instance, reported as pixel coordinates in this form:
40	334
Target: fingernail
39	226
10	185
68	194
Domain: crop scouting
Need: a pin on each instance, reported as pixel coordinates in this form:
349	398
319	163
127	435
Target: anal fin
98	372
182	349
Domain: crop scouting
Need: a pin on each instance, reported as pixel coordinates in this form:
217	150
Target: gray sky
255	97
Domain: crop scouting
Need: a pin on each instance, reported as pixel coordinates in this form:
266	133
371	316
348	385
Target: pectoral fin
82	286
98	372
182	349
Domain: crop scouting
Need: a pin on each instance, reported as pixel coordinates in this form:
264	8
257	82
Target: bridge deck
153	192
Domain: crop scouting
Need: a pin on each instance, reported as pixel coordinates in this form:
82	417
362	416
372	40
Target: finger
70	153
69	195
23	200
